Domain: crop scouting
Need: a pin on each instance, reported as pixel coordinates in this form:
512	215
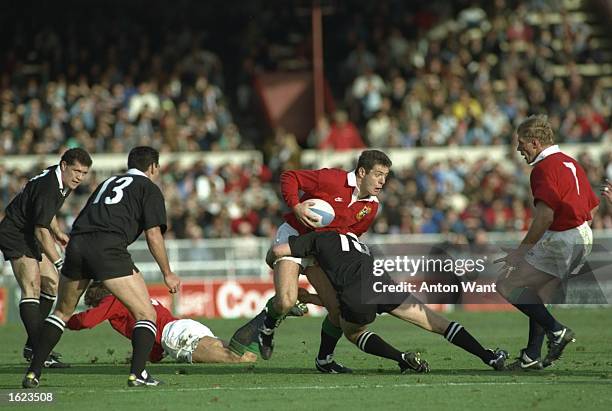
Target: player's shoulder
333	174
336	171
46	179
553	163
561	156
140	181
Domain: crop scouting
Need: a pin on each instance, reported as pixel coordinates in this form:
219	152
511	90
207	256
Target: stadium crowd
425	74
431	73
443	77
450	197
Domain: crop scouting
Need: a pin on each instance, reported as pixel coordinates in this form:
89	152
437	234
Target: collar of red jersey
545	153
136	172
58	174
351	180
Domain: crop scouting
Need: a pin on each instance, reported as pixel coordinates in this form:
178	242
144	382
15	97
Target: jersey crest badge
364	212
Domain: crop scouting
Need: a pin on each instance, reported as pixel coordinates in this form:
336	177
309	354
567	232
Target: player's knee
30	288
333	314
285	301
504	286
145	313
352	337
511	291
48	285
352	334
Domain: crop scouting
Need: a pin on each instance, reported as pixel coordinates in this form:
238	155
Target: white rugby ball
323	209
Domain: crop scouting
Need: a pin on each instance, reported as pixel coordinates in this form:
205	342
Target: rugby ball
324	210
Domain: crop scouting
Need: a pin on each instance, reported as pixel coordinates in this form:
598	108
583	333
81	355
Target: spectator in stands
343	134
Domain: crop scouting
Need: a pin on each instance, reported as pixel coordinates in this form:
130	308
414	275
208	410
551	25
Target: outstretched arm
542	219
94	316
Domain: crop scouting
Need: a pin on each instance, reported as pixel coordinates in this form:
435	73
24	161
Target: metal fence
245	256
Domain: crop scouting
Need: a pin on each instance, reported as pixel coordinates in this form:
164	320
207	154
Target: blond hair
537	127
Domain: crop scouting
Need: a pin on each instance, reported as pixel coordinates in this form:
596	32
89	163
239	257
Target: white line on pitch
332	387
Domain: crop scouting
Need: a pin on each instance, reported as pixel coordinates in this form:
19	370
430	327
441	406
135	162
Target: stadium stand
428	73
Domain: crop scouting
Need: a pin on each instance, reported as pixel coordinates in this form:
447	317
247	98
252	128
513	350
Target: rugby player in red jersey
353	195
183	340
556	245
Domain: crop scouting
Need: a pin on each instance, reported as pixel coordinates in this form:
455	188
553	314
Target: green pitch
97	380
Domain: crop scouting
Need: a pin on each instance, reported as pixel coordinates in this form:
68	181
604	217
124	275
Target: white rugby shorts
181	337
562	253
282	237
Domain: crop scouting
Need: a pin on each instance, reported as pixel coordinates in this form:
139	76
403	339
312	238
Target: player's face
528	149
373	182
73	174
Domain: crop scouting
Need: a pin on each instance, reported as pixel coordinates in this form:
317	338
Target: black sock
536	339
459	336
330	335
143	338
50	334
46	304
29	311
530	304
373	344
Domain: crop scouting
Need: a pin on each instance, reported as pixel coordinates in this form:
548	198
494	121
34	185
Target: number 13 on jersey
117	193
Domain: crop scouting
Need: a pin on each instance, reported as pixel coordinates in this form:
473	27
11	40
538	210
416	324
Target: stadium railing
109	163
228	277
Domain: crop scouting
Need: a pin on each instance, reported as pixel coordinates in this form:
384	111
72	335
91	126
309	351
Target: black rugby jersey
39	201
341	256
124	204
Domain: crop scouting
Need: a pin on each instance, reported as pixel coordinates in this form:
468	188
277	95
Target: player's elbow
40	232
286	175
153	233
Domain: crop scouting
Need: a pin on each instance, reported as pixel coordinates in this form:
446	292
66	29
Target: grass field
581	380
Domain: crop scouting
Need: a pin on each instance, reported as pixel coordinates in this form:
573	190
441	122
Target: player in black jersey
349	267
115	215
28	234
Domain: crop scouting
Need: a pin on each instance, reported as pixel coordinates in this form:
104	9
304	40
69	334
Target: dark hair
142	157
370	158
76	155
95	293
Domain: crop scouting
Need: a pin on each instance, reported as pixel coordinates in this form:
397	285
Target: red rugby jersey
560	182
111	309
339	189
